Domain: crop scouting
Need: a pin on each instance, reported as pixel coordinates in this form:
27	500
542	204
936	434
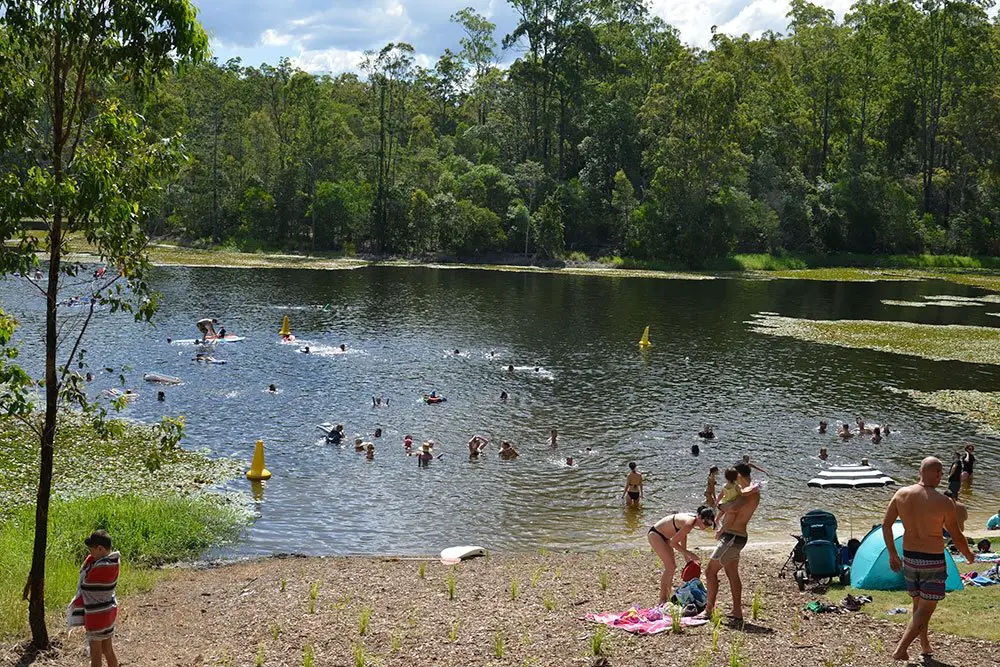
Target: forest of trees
607	135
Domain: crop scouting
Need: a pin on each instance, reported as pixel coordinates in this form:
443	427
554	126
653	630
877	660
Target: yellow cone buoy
286	328
257	470
644	341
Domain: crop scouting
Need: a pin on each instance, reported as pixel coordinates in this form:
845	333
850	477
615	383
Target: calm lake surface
401	325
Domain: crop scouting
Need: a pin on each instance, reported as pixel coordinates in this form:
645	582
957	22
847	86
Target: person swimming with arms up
477	444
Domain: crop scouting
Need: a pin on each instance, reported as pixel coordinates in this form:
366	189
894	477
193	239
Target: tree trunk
36	576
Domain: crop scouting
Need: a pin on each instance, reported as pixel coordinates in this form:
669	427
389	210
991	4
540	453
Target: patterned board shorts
729	548
925	575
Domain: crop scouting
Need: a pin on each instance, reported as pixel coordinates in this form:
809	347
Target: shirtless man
633	486
732	539
925	513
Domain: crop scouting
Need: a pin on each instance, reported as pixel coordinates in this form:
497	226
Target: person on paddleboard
207	326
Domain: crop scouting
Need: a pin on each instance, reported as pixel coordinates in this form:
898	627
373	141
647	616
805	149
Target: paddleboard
161	379
207	341
453	555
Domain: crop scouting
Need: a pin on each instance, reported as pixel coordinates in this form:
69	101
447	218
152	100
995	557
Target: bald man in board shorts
925	513
732	539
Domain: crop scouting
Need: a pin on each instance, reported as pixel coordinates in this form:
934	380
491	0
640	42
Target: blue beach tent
871	571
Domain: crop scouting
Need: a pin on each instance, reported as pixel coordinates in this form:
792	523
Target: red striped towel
95	606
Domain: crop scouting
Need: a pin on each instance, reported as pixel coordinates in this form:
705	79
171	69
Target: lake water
401	326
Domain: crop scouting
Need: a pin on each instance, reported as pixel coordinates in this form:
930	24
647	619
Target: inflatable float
433	399
161	379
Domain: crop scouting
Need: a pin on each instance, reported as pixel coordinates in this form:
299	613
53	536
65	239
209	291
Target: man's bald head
931	471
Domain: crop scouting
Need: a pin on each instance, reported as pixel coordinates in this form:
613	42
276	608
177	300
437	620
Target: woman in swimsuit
633	486
670	534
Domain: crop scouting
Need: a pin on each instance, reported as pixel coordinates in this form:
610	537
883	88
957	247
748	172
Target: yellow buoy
286	328
257	470
644	341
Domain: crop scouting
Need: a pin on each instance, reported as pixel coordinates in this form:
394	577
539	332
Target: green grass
973	612
147	531
979	345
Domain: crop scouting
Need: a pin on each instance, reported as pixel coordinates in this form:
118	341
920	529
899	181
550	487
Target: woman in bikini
633	486
670	534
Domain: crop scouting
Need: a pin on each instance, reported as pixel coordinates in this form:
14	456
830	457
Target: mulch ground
309	611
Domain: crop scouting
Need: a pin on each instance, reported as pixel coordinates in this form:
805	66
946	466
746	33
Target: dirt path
268	612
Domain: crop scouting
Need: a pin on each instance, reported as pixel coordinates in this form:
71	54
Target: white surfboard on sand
453	555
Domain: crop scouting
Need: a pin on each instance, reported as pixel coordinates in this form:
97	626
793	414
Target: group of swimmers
845	432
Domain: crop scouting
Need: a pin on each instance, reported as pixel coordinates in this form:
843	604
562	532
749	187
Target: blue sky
331	35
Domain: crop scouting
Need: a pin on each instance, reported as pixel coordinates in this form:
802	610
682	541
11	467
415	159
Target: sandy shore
277	611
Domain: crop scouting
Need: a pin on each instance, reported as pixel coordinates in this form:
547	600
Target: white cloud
694	20
329	61
271	37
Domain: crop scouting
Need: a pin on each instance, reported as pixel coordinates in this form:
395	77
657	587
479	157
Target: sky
330	36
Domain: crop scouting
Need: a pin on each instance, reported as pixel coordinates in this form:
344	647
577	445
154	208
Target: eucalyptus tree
86	166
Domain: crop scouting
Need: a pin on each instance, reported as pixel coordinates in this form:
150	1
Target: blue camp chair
823	558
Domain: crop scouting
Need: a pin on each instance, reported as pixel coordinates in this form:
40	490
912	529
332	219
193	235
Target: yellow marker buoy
644	341
257	470
286	328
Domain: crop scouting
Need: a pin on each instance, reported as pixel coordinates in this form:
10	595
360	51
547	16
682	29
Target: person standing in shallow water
925	514
633	486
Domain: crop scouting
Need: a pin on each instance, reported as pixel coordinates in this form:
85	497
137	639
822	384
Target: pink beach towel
642	621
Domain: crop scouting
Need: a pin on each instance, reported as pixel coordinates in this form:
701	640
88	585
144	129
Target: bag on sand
691	592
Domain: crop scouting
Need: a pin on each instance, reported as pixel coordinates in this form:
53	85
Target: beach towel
988	557
641	621
95	606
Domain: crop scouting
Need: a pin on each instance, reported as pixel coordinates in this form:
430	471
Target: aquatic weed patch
844	274
129	462
980	407
971	344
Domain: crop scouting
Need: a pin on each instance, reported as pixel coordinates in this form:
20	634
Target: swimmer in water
845	432
343	348
507	452
90	376
746	460
510	369
359	445
823	456
569	461
553	437
370	452
378	433
476	445
503	396
876	435
695	449
407	443
160	396
425	457
457	352
305	350
822	427
706	432
272	389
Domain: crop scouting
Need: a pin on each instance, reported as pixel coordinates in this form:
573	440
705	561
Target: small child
713	475
95	606
731	491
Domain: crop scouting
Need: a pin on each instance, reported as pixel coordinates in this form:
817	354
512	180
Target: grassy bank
158	513
979	345
149	532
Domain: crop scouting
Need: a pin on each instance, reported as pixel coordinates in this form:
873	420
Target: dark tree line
608	135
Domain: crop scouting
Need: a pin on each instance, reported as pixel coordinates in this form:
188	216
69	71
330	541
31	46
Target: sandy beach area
506	609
